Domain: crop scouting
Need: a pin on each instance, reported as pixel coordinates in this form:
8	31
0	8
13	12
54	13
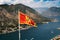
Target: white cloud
44	4
5	1
22	1
15	1
31	3
1	1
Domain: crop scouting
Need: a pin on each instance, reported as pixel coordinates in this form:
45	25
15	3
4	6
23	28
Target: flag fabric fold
25	19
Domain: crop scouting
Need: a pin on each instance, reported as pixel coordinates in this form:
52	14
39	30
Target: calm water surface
42	32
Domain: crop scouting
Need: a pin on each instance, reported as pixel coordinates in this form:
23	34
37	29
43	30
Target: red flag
24	19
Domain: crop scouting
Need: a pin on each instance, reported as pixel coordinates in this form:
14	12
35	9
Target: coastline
56	37
9	30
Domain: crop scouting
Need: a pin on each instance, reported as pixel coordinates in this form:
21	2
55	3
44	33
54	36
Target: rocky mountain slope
13	10
9	16
8	19
32	13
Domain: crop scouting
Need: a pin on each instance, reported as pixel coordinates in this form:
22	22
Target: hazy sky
33	3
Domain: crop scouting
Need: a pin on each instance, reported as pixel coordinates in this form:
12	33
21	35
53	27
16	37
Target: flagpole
19	24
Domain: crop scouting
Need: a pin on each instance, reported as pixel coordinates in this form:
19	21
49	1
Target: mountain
13	9
9	16
11	12
41	9
6	16
52	12
8	19
48	12
55	9
33	14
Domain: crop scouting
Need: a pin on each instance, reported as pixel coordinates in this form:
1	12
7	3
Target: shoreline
8	30
56	37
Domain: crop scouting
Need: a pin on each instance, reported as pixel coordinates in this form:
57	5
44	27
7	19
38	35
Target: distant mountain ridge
48	12
55	9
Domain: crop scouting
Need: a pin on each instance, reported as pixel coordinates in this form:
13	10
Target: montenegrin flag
24	19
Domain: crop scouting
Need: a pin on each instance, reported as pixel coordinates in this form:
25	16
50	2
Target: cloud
21	1
45	4
1	1
5	1
33	3
15	1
